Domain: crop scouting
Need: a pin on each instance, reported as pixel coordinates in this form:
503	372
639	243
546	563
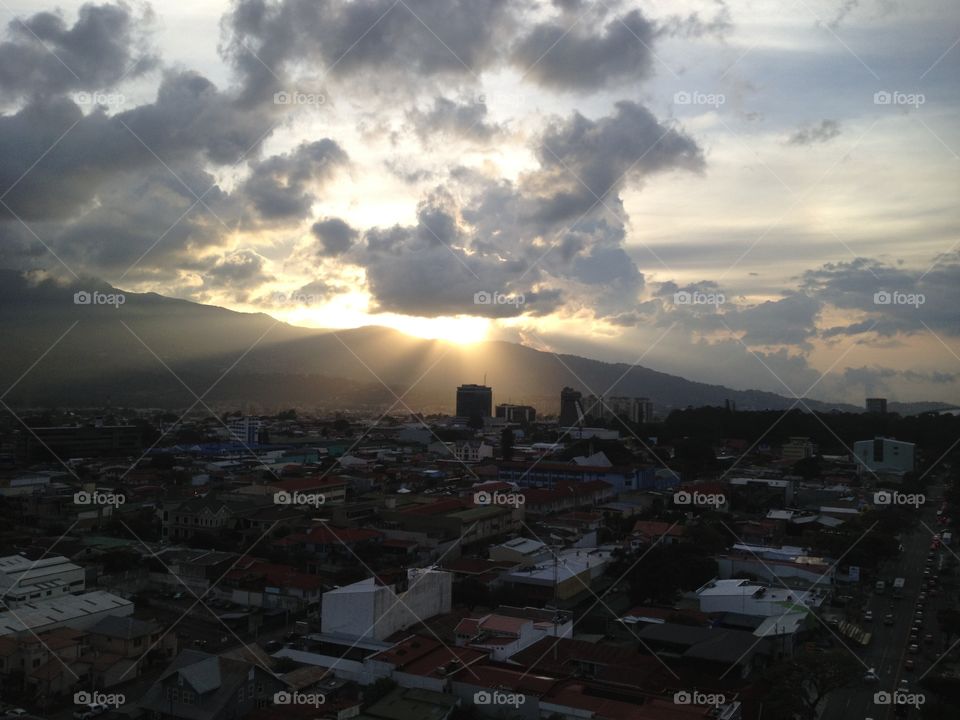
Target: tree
798	685
506	444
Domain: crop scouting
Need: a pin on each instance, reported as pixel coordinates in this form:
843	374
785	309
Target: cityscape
479	360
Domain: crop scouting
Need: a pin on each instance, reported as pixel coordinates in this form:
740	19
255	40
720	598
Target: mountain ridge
144	352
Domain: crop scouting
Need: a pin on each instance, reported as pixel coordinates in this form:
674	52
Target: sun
462	329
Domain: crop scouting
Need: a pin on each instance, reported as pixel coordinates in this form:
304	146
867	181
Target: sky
759	193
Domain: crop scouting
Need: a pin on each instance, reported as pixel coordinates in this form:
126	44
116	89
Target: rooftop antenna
484	379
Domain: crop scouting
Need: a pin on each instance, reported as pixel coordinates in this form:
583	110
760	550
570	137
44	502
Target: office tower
877	405
516	413
571	407
474	401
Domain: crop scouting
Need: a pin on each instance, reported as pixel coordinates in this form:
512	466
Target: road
888	649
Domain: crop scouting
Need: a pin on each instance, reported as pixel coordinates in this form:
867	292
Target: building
797	448
245	430
634	409
75	611
550	473
749	598
368	609
24	580
130	638
571	407
884	454
198	685
474	401
877	405
80	441
522	414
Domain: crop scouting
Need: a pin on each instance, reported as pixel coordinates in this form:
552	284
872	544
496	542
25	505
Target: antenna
484	379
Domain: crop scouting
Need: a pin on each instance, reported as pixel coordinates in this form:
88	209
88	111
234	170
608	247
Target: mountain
154	351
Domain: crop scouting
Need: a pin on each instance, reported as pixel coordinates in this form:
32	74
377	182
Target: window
188	697
240	694
176	695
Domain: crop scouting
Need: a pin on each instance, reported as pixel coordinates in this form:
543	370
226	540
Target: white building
883	454
25	580
75	611
634	409
748	598
367	609
245	430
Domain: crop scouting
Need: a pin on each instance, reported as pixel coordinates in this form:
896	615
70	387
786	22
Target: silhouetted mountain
152	351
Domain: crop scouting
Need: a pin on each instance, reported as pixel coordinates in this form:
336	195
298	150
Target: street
890	647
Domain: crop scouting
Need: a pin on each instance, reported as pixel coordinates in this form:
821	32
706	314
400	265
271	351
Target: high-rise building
571	407
884	454
474	401
516	413
245	430
877	405
634	409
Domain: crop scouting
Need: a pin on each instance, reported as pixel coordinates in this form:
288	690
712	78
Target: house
129	637
369	609
197	685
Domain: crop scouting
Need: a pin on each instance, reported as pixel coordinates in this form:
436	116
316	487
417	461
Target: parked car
871	675
868	616
15	713
908	665
914	649
888	619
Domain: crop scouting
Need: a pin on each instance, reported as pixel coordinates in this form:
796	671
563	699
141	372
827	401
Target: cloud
824	132
280	187
405	42
448	118
336	237
562	56
44	56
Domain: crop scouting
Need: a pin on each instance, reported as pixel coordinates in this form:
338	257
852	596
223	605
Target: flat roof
63	609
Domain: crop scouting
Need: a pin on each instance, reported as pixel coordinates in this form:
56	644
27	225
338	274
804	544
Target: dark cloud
336	237
824	132
190	120
458	119
584	160
238	273
407	42
281	187
585	58
44	56
891	299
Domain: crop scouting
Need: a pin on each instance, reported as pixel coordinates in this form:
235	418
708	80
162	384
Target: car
868	616
914	649
933	592
908	665
918	615
921	597
871	675
928	638
15	713
273	646
888	619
